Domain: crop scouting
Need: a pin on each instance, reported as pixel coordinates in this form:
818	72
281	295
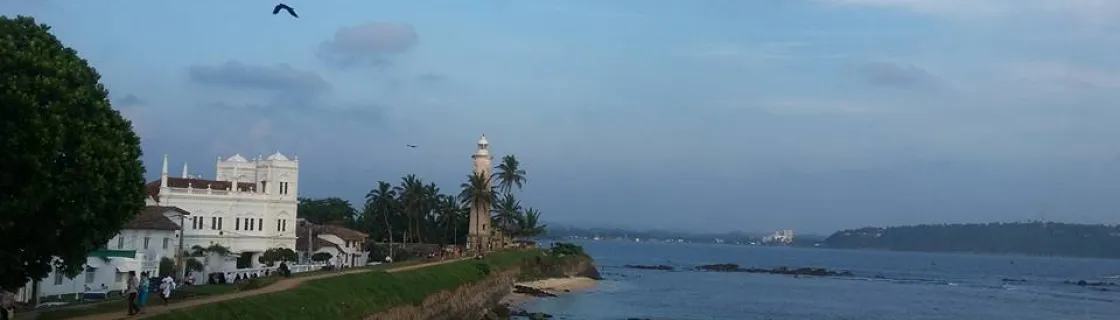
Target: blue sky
707	115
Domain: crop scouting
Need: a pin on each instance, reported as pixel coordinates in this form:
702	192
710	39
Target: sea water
887	285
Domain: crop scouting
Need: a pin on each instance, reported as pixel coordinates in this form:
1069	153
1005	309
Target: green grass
188	293
354	296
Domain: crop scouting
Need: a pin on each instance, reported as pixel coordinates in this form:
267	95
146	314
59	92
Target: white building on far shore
780	237
249	207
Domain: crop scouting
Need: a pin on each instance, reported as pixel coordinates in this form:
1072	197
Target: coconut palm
509	174
383	201
410	194
507	213
530	224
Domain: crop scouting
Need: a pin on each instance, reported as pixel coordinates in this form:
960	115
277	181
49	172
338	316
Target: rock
531	291
645	267
804	271
723	267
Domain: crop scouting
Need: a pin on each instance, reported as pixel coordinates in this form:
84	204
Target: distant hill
1032	238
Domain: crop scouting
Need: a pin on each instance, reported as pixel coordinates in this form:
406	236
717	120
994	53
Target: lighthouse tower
478	235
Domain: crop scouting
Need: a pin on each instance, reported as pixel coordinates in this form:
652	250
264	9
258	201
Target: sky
708	115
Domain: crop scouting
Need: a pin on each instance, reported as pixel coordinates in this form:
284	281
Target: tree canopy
1033	238
326	210
72	174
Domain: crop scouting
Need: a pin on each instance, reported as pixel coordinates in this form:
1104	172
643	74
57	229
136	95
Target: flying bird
410	145
284	7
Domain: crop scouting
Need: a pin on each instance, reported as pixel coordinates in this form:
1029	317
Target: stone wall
472	301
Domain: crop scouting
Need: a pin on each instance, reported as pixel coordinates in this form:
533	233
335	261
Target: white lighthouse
478	235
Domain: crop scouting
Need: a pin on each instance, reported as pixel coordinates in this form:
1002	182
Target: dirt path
285	284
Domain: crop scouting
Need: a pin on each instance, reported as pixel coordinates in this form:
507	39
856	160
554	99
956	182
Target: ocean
887	285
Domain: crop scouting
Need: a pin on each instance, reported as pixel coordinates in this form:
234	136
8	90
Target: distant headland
1027	238
1030	238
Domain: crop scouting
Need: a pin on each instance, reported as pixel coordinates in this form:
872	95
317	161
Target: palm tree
509	174
430	205
530	226
410	194
507	213
477	192
383	201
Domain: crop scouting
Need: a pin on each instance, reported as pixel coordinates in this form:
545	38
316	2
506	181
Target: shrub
565	248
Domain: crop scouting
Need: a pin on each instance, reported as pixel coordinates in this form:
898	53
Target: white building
343	244
249	207
779	237
140	245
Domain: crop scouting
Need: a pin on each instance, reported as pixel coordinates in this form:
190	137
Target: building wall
242	221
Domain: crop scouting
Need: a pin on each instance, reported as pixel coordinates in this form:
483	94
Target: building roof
277	156
237	158
336	230
153	187
153	218
318	243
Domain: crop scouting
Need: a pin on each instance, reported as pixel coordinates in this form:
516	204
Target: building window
260	224
283	188
219	223
285	224
278	224
146	241
264	186
120	242
91	275
166	242
57	278
249	224
237	224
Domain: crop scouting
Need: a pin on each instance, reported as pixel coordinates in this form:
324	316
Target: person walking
132	291
165	288
144	288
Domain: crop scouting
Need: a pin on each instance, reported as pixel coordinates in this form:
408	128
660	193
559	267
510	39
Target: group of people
137	290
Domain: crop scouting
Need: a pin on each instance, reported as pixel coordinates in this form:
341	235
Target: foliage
321	256
354	296
1034	238
193	265
167	267
274	255
509	174
566	249
72	174
327	210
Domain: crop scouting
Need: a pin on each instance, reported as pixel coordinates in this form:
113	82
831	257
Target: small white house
140	245
343	244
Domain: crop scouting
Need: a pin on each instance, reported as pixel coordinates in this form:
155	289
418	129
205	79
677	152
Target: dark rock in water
819	272
531	291
1014	280
645	267
1084	283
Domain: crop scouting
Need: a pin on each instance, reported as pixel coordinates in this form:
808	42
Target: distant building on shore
780	237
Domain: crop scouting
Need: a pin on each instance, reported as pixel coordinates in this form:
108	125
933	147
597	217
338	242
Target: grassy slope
192	292
354	296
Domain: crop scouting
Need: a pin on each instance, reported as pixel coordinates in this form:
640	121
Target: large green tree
327	210
72	174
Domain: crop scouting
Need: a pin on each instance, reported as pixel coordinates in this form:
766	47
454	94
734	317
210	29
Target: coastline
554	285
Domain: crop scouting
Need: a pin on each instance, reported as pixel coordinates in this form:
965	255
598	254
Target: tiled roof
153	187
341	232
301	244
153	218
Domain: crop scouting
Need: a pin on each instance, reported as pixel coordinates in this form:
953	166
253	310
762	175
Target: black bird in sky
285	8
410	145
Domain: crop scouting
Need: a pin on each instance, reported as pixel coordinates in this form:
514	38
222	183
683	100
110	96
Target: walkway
281	285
